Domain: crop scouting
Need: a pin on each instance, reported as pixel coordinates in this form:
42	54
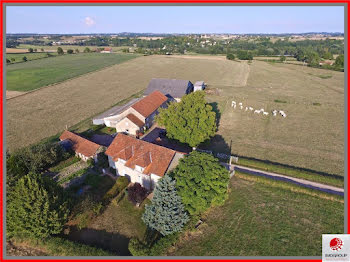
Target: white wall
147	181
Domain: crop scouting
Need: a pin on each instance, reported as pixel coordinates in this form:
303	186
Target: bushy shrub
137	193
230	56
138	248
57	246
121	183
83	221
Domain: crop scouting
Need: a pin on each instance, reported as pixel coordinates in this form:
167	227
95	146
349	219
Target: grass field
311	136
260	219
35	74
18	58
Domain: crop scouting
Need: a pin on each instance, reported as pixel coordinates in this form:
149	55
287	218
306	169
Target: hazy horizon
174	19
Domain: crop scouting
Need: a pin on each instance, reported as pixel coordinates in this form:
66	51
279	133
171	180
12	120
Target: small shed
199	85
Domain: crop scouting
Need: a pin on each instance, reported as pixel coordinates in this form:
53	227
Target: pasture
42	72
261	218
311	136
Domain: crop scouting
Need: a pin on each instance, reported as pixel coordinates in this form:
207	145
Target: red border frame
2	153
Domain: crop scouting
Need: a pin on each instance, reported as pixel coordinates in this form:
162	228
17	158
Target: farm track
297	181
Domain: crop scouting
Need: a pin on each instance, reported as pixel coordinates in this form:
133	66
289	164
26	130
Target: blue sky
174	19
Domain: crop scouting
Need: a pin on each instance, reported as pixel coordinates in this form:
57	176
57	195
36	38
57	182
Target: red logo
336	244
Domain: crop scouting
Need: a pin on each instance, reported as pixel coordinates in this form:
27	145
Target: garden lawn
42	72
261	218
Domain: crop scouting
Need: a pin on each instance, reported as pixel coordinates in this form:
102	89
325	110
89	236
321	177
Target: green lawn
18	58
261	218
35	74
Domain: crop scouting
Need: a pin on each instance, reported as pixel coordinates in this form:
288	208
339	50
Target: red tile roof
135	120
153	158
80	144
150	103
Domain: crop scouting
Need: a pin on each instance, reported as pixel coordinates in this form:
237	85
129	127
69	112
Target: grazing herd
258	111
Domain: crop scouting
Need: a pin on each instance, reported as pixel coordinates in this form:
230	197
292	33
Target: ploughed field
311	136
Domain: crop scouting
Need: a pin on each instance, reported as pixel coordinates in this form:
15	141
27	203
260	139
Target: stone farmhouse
135	117
83	148
140	161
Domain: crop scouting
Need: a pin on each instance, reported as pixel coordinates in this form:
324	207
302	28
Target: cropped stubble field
38	73
312	136
45	112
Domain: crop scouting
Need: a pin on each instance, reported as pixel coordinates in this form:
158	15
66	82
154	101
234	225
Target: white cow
233	103
257	111
265	113
246	109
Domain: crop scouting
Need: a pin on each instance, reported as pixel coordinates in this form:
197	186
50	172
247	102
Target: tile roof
150	103
135	120
153	158
80	144
176	88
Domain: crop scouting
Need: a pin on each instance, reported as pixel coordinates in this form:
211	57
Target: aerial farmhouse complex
128	154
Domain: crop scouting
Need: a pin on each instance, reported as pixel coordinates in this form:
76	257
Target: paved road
298	181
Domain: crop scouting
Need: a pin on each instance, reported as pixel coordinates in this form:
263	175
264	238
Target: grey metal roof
116	109
173	87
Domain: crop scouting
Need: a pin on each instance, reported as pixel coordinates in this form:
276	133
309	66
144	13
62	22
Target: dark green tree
166	214
87	50
192	121
60	51
70	51
201	182
282	58
36	207
24	58
339	61
77	51
30	50
8	61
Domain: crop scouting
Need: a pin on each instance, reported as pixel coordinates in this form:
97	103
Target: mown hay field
42	72
311	136
47	111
